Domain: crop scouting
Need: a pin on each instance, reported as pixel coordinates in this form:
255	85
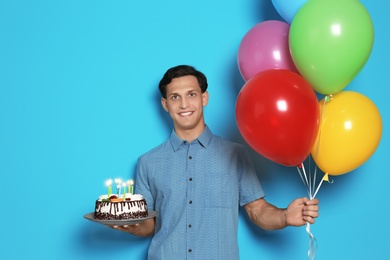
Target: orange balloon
350	131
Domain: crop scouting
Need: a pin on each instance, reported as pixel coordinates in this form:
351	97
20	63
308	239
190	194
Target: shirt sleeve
142	182
250	188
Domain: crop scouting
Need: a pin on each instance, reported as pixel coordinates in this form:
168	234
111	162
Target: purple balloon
265	47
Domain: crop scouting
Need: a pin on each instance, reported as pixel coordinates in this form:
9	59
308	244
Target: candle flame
118	181
108	182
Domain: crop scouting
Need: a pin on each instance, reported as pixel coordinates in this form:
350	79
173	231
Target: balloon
265	47
288	8
330	41
350	131
277	114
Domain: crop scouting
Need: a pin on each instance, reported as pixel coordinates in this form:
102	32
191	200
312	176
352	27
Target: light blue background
79	104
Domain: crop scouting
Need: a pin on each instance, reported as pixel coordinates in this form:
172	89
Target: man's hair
181	71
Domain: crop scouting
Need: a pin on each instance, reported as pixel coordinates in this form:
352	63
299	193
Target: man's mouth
186	113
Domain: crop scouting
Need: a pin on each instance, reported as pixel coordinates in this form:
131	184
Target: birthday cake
133	207
120	206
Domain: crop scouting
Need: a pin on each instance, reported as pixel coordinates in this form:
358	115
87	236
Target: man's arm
143	229
269	217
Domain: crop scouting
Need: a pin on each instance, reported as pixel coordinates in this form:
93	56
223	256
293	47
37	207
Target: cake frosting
132	206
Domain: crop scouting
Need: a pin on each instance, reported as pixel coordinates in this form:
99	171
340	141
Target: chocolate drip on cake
116	207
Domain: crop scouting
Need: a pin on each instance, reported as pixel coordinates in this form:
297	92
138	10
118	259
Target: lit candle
124	191
131	186
109	188
128	185
118	183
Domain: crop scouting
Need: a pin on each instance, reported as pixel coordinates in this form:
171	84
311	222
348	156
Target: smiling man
197	181
184	101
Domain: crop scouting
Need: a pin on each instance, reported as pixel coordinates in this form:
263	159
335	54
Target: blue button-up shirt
197	188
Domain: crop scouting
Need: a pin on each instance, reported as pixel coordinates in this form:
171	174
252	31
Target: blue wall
79	104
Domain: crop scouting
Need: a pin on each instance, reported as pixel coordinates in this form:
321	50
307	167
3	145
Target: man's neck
190	134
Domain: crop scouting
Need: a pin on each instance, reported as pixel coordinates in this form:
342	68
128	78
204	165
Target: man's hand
302	210
142	229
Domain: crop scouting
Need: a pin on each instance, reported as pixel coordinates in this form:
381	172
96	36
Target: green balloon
330	41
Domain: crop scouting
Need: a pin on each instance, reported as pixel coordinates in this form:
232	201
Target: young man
196	181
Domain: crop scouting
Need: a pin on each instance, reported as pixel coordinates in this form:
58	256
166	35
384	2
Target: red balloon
277	114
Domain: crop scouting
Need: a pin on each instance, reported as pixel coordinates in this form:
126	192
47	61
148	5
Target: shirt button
190	201
189	250
190	157
190	179
190	226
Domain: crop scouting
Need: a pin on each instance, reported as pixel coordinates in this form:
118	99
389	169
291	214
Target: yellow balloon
350	131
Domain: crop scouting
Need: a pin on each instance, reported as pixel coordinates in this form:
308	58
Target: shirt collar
204	139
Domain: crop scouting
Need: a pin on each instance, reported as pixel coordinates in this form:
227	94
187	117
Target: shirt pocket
221	190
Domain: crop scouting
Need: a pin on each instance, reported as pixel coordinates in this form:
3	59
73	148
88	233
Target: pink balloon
265	47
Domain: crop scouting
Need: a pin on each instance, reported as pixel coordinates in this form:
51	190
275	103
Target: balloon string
310	185
314	178
326	100
313	246
319	185
309	182
303	180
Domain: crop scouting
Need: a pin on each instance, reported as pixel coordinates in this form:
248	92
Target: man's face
185	103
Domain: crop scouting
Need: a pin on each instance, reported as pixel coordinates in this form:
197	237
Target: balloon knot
328	98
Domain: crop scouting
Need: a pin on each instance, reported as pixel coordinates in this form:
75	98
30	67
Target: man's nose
183	103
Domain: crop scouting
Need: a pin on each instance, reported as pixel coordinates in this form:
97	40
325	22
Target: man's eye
174	97
192	94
